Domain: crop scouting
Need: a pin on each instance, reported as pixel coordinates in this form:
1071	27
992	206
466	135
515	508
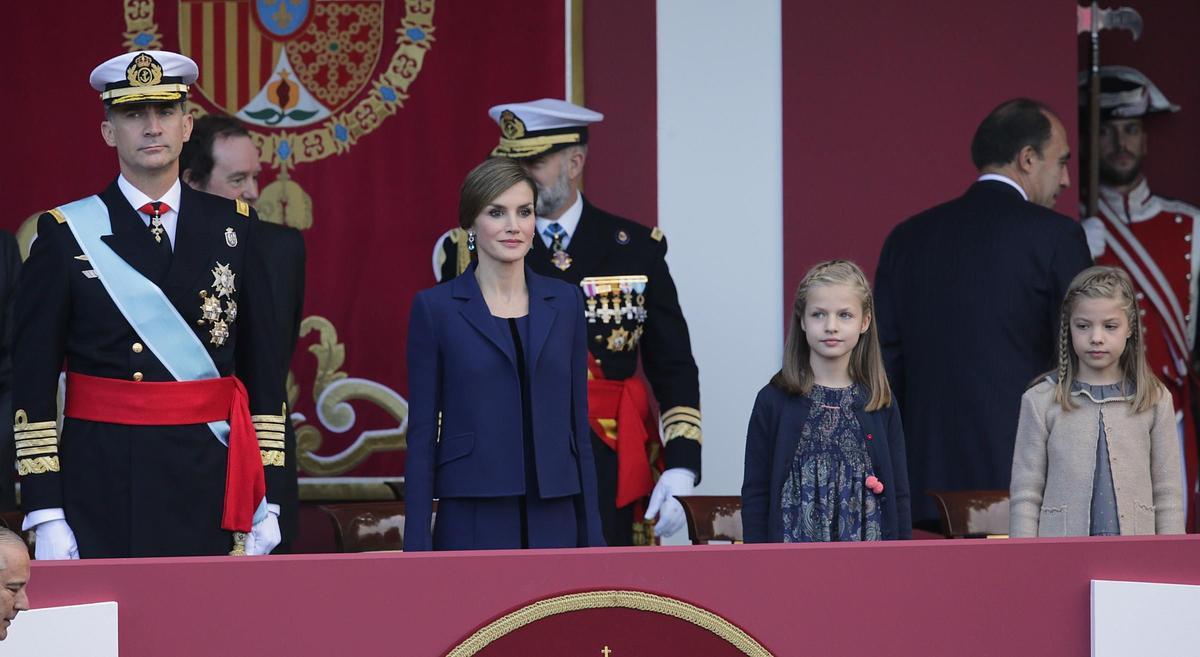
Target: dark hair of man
197	157
1012	126
490	179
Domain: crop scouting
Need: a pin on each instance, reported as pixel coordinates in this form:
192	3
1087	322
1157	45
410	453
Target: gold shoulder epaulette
656	234
243	208
458	236
58	215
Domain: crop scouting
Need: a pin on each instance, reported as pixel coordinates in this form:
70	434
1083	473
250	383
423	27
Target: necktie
556	233
558	255
156	209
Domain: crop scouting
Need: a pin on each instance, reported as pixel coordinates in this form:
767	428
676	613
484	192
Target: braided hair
1137	377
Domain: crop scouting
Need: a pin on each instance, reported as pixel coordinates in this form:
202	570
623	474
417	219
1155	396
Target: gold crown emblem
143	71
511	126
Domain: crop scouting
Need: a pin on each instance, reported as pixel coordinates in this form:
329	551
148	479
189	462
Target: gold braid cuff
271	457
681	422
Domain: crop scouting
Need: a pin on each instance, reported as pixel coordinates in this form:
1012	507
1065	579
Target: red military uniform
1157	240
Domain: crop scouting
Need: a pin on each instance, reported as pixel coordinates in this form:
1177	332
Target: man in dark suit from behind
220	158
10	263
968	297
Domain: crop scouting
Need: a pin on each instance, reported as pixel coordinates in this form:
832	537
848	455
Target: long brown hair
866	360
1106	283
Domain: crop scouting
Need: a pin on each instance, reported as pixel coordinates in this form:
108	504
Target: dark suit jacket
967	303
10	263
462	366
771	442
279	252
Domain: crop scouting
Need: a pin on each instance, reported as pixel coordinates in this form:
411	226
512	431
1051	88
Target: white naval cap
145	76
1125	93
540	126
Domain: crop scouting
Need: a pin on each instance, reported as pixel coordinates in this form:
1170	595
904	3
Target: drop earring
470	241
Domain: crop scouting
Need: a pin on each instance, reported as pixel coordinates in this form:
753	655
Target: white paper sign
79	631
1144	619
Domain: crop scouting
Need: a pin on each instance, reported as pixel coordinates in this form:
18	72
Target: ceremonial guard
631	307
172	438
1155	238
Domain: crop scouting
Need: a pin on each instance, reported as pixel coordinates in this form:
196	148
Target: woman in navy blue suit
500	355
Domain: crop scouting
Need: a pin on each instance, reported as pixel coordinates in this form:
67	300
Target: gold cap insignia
511	126
143	71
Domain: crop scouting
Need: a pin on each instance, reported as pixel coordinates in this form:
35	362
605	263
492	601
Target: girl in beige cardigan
1097	451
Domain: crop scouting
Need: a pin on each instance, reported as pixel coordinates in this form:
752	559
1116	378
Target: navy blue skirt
505	523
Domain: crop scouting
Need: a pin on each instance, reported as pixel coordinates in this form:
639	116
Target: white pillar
720	204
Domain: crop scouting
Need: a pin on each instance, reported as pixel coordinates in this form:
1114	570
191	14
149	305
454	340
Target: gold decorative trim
527	146
58	215
154	92
332	390
273	419
30	435
270	444
40	465
577	52
271	457
636	600
33	451
656	234
21	423
350	125
462	254
682	430
241	207
36	442
685	413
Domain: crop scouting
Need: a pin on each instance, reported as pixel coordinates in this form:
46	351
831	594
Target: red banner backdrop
368	114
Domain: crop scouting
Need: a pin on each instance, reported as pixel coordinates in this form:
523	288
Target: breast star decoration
212	313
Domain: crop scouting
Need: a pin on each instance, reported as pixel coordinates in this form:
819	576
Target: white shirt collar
569	221
137	198
1004	179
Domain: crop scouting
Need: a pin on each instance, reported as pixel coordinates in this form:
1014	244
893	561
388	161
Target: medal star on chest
223	280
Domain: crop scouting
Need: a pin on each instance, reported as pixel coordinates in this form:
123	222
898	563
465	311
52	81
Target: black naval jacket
278	251
607	245
138	490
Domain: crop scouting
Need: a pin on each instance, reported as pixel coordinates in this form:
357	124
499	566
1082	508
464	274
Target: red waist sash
628	403
183	402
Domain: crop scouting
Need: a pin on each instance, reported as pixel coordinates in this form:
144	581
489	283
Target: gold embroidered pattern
616	599
33	439
39	465
270	444
681	422
271	457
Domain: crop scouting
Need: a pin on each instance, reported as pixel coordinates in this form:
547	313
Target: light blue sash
144	306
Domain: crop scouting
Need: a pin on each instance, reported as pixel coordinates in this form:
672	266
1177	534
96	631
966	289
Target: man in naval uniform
632	308
220	158
1155	238
172	441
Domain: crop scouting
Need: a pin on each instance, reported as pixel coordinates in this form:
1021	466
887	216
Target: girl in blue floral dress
825	447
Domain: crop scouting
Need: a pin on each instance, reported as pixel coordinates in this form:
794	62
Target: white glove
264	535
676	481
1094	230
55	540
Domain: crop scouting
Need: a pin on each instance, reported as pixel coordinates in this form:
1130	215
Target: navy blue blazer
771	443
462	364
